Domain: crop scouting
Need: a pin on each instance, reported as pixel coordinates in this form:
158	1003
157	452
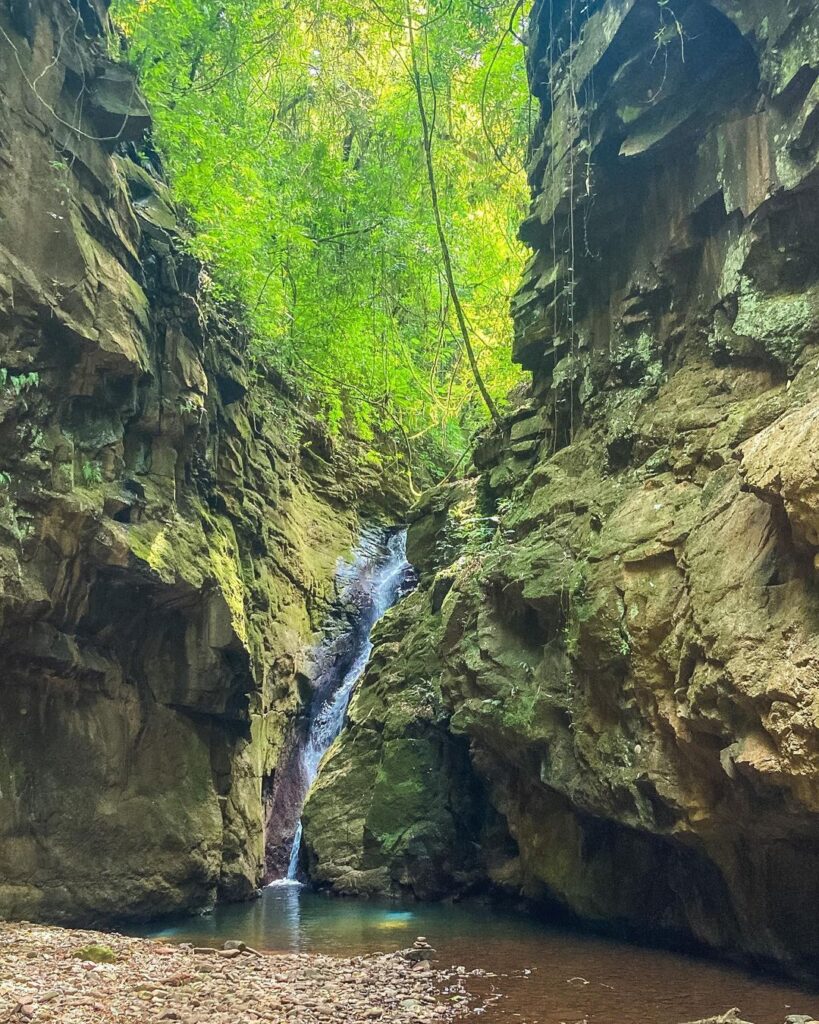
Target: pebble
154	981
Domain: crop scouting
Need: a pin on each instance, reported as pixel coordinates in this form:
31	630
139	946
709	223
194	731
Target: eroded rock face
167	544
632	648
396	805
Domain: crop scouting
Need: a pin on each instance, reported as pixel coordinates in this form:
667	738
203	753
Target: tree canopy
298	134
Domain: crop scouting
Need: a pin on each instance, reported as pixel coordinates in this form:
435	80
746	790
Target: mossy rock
96	954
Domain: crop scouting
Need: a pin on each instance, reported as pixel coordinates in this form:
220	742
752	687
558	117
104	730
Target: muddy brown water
539	974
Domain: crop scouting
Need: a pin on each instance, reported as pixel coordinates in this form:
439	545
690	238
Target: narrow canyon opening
367	586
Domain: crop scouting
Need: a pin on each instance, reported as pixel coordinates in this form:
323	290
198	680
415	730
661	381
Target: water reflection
549	975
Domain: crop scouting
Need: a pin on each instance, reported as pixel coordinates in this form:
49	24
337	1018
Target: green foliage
576	604
519	712
192	406
466	531
19	382
91	473
292	136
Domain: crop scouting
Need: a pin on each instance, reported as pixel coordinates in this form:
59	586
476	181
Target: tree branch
439	226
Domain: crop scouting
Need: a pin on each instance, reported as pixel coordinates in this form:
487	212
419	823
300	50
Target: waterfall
378	575
293	863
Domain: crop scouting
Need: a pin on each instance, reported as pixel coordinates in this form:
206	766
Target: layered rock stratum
604	694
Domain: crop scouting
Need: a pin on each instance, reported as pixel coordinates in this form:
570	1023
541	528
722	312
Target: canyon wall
169	522
616	636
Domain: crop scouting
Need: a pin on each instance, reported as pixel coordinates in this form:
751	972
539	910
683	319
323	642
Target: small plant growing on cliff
91	473
670	27
5	480
19	382
62	171
26	382
466	531
520	709
192	405
576	603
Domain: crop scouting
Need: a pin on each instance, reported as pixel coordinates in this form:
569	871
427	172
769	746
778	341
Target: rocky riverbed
86	977
74	976
734	1016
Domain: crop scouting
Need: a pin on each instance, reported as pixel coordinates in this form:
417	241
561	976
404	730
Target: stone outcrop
396	805
619	609
168	531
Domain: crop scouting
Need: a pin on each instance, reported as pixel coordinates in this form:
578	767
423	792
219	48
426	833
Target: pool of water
543	974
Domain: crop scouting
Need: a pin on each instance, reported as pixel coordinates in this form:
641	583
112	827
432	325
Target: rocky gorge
170	521
601	699
603	695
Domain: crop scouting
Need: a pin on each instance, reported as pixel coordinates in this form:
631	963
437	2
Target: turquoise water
545	974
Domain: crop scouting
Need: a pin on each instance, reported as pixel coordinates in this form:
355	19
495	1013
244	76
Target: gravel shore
52	974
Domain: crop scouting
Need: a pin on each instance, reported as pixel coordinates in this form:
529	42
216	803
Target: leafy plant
465	531
19	382
191	405
575	599
670	28
519	713
91	473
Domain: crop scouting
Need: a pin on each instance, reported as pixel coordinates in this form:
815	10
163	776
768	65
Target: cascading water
369	585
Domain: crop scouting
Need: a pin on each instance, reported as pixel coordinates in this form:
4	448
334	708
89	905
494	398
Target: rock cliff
169	525
618	610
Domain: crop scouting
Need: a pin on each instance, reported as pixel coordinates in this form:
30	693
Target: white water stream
379	573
